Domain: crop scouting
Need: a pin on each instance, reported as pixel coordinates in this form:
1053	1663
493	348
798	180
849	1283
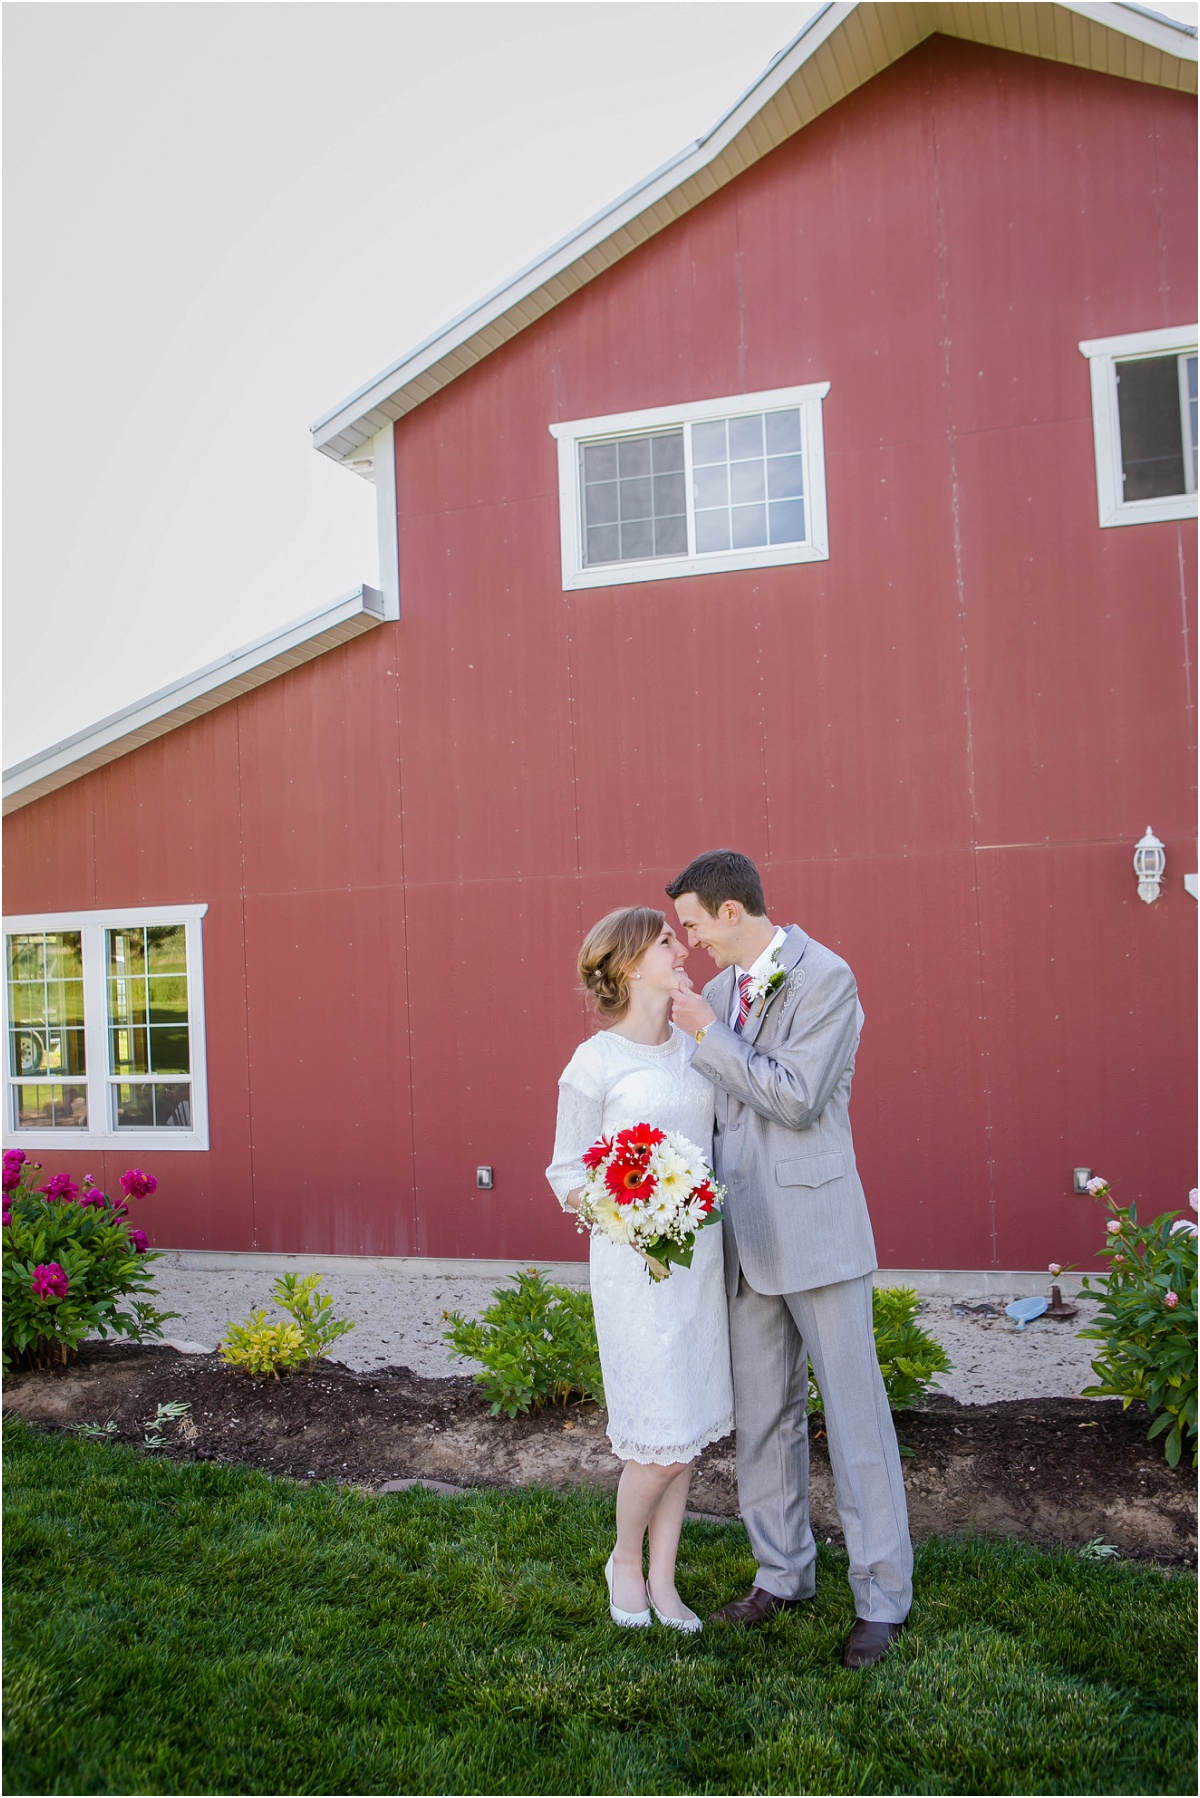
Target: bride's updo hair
611	951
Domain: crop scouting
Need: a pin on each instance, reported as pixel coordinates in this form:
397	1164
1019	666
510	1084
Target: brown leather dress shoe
869	1642
756	1607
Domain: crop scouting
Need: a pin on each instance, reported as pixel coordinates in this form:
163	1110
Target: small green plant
261	1347
1098	1550
95	1432
171	1412
73	1266
909	1357
536	1342
1146	1319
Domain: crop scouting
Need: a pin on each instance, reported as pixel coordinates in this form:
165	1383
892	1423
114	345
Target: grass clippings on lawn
205	1628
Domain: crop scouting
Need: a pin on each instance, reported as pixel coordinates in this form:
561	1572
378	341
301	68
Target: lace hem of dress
663	1457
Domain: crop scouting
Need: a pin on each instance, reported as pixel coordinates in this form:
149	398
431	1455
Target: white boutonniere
764	987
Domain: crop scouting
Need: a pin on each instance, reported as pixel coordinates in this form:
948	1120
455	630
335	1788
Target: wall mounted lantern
1149	864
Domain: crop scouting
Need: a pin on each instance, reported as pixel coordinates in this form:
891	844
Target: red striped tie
744	1004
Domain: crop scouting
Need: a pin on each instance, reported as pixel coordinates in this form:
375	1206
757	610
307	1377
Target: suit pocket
810	1170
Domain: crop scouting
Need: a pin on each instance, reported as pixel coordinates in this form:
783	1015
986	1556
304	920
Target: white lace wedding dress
664	1345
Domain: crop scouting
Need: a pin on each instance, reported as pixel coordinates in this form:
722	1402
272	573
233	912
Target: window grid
139	1067
716	485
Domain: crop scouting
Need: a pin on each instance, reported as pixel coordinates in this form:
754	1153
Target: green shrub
536	1342
259	1347
908	1356
72	1264
1146	1319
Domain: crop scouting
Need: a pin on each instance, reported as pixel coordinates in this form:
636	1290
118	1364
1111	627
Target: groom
776	1034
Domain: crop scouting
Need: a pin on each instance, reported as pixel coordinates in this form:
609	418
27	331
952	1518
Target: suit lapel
719	993
789	955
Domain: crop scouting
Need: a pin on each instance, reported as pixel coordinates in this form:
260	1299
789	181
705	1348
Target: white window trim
91	926
569	436
1103	354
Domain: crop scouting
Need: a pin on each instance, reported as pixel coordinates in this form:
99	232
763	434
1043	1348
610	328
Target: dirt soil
1048	1470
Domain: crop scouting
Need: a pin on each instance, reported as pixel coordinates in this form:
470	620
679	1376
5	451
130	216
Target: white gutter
239	672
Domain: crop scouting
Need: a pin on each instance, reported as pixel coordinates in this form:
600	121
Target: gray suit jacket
794	1213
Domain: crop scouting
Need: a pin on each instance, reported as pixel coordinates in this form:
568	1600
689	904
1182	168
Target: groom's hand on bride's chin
691	1012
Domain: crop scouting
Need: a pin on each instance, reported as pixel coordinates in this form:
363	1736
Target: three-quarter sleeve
580	1117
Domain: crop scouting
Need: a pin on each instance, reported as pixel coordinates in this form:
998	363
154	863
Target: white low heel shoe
626	1619
687	1626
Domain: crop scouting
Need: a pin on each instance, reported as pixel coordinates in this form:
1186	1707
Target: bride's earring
637	977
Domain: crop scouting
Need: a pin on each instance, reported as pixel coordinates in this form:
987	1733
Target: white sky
220	220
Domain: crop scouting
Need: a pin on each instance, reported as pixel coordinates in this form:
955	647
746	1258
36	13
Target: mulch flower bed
1047	1470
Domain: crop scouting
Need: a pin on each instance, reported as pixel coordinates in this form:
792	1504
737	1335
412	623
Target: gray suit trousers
773	1339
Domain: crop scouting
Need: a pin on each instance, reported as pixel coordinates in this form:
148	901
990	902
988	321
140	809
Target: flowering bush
1147	1319
70	1262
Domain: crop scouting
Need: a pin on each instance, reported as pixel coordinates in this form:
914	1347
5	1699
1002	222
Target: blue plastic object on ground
1025	1310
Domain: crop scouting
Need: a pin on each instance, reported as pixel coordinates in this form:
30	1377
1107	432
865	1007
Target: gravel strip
398	1323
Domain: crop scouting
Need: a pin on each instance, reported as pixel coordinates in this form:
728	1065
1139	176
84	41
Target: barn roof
841	47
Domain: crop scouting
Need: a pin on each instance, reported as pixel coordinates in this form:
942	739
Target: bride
664	1347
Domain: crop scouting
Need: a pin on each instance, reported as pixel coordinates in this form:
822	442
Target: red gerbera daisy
598	1152
641	1136
627	1180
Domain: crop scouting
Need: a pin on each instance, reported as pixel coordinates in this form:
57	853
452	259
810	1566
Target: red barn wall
941	744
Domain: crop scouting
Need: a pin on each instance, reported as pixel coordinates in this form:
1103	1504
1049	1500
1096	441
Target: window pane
129	1051
126	952
604	544
711	486
637	499
648	492
602	503
168	999
785	477
64	956
169	1049
1151	439
127	1001
161	1107
708	443
747	482
1190	427
783	433
787	521
166	949
668	495
600	462
49	1107
25	958
749	526
667	453
745	437
712	531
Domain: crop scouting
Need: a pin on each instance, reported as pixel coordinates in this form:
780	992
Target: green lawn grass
209	1629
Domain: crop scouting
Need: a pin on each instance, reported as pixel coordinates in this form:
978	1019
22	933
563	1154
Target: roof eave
190	697
836	52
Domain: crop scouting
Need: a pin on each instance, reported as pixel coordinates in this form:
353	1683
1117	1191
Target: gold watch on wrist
702	1033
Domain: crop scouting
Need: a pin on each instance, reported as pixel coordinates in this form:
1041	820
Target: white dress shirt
760	967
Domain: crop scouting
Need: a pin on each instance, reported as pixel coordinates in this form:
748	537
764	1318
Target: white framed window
699	489
104	1027
1144	423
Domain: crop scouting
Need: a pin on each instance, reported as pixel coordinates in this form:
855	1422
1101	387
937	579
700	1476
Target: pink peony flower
60	1186
140	1241
6	1214
93	1196
1193	1200
137	1185
14	1161
1170	1300
1054	1269
1113	1226
49	1281
1097	1186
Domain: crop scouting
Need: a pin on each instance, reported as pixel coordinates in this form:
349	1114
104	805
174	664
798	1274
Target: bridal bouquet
651	1189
